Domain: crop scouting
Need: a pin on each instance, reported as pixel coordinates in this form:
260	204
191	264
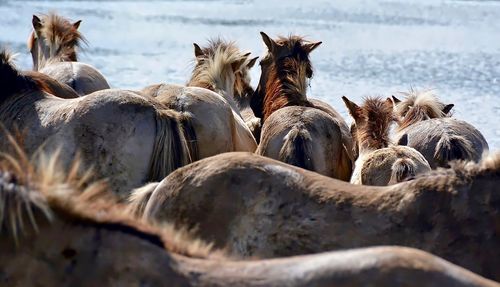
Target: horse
380	162
64	222
207	101
53	44
425	125
127	138
253	206
243	93
295	130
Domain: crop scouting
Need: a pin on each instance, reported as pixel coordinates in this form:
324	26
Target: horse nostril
68	253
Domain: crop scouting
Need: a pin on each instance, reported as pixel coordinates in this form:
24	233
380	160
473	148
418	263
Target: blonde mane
214	70
418	106
40	187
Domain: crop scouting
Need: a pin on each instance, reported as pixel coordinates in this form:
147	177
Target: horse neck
212	80
64	55
284	90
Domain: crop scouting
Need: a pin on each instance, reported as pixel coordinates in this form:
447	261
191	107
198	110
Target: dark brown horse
308	134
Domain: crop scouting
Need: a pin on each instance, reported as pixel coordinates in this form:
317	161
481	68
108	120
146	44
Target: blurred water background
369	47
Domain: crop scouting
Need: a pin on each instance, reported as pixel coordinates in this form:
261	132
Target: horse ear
354	110
311	46
403	140
389	103
76	25
270	44
197	51
395	100
37	23
447	108
236	65
251	63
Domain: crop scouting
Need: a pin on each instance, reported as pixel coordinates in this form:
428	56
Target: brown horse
380	162
53	44
128	139
425	125
256	206
55	231
207	104
295	130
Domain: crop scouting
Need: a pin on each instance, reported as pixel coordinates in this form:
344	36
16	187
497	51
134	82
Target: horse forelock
377	117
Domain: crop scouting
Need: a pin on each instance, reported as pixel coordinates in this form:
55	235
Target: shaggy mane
418	106
242	88
29	187
212	70
59	34
460	172
378	117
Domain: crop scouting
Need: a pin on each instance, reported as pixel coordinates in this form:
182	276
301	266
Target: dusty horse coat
123	136
75	238
256	206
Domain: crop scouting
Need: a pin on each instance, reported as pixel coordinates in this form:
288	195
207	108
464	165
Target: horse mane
286	83
210	71
490	163
377	117
418	106
242	88
59	34
32	191
11	80
460	173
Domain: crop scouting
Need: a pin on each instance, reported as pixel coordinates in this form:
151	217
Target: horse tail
186	120
139	198
402	169
297	149
453	147
170	150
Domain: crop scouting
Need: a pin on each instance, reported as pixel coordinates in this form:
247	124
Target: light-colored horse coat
379	162
256	206
53	43
217	127
55	237
425	125
208	101
308	134
125	137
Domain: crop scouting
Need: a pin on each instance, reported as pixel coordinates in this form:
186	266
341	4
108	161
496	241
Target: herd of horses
206	184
